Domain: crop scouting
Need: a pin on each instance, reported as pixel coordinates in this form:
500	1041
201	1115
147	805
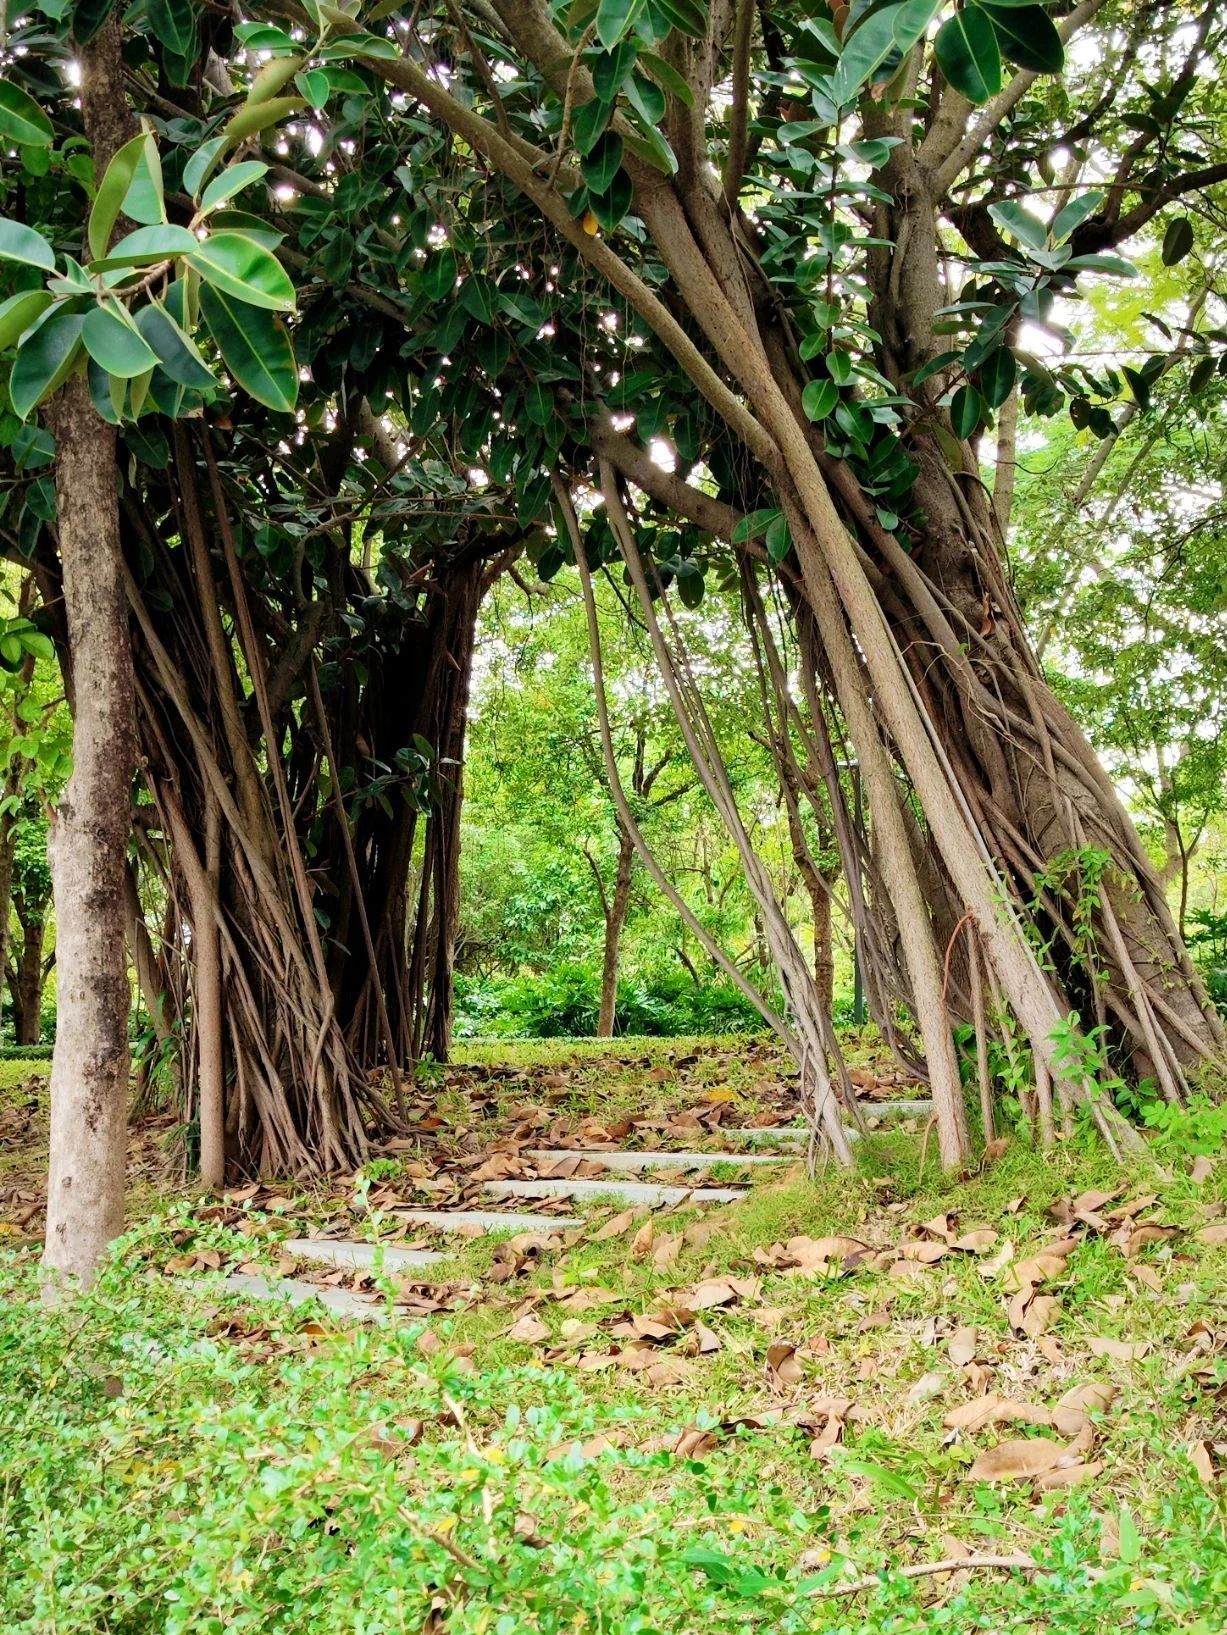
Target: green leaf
602	163
20	311
613	20
819	398
315	86
1138	385
231	181
439	274
255	346
44	361
839	367
539	403
174	25
997	375
242	268
22	244
1202	375
777	538
882	34
968	54
752	525
146	247
687	15
258	116
1025	227
108	393
21	119
176	352
145	201
1104	263
966	411
1177	241
667	77
610	68
1068	220
1027	37
934	367
112	191
589	121
114	342
88	17
199	166
479	298
611	206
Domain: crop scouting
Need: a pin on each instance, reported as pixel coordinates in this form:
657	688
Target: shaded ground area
761	1414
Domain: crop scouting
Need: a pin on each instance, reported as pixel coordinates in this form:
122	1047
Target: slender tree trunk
615	921
27	992
89	833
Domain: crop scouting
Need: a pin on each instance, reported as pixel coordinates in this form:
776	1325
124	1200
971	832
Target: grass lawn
683	1421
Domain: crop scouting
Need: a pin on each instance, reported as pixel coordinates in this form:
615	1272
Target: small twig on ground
928	1569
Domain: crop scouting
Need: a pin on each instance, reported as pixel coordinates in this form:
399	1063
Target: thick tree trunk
615	922
89	833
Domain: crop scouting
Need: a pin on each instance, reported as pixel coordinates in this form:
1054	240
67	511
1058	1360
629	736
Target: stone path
294	1293
396	1260
345	1252
656	1160
627	1192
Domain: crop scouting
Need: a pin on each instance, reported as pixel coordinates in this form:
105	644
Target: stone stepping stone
897	1109
658	1160
345	1252
626	1192
290	1291
489	1220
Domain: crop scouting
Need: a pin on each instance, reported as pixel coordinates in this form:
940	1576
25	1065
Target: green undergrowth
175	1461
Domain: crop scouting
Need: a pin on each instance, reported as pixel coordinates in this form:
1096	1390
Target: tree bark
89	833
28	973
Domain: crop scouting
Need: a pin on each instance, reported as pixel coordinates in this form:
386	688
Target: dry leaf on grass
1212	1235
529	1329
666	1250
1016	1460
1121	1350
783	1368
614	1227
961	1348
1203	1462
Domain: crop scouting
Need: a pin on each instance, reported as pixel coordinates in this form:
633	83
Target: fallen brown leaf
1018	1459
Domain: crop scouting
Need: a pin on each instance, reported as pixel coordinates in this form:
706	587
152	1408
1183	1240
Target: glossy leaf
1025	227
177	353
966	411
1027	37
237	265
22	244
819	398
144	201
231	181
146	247
44	361
1071	216
613	19
20	311
777	538
968	54
114	342
255	346
88	17
997	375
602	164
1177	241
200	165
112	190
21	119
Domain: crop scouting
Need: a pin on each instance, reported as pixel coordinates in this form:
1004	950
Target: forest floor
885	1401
